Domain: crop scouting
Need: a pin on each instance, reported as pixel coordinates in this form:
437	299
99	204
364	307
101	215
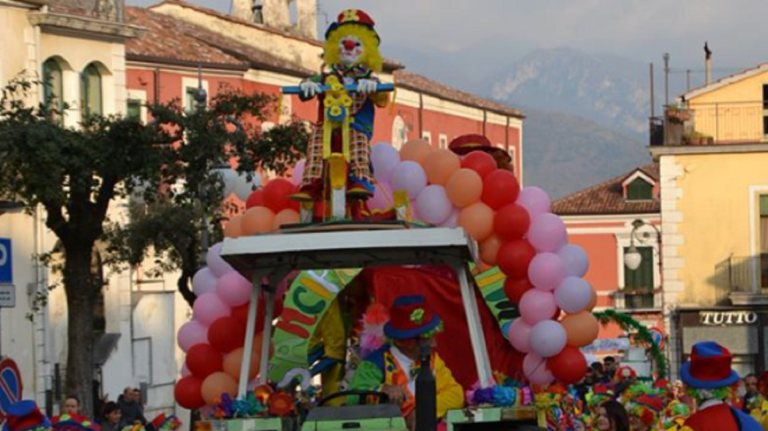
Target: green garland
627	323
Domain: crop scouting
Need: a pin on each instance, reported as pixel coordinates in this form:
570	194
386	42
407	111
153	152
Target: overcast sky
640	30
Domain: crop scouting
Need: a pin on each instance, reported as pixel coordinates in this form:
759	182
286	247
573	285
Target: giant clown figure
352	57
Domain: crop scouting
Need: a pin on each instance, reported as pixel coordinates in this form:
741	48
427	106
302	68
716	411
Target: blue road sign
6	261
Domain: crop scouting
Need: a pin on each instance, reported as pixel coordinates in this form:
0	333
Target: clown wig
371	58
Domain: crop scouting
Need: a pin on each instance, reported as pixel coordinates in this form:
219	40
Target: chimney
243	9
306	20
276	14
707	63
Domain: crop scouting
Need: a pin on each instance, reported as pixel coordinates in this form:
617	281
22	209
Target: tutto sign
727	317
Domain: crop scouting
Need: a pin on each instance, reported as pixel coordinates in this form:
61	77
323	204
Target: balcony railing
742	274
706	123
626	299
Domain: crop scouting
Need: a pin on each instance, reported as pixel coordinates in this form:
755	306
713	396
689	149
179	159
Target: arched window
90	91
53	91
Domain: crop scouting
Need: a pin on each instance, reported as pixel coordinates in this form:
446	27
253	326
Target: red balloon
480	162
511	222
277	194
256	199
188	392
204	360
226	334
241	314
514	257
500	188
515	288
568	366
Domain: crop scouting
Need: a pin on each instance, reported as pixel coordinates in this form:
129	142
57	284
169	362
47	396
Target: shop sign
727	317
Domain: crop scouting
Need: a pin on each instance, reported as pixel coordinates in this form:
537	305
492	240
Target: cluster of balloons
213	340
267	209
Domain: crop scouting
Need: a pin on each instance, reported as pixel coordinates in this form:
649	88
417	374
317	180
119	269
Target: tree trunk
80	287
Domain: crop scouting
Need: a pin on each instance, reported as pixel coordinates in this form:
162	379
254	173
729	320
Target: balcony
640	300
743	279
733	122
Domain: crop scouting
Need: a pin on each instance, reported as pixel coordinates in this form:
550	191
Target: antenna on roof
707	63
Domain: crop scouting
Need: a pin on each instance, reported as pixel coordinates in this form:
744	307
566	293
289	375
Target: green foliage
168	226
642	334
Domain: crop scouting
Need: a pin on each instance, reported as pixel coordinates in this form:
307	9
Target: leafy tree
168	227
74	174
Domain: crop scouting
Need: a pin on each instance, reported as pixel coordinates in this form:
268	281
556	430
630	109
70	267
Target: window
765	109
513	155
90	91
426	136
443	142
134	109
54	87
764	241
640	279
639	190
189	99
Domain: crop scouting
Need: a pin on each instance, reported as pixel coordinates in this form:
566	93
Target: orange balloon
581	328
234	360
286	216
216	385
416	150
489	250
464	187
477	220
592	301
257	220
440	165
234	227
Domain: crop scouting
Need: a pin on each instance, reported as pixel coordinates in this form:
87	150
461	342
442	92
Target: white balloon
573	294
548	338
229	178
203	282
244	188
575	260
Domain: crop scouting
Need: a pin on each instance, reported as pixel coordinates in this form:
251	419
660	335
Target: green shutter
134	109
639	190
764	206
642	277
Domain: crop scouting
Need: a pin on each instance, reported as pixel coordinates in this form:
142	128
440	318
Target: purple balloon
385	159
210	307
409	176
453	220
548	338
547	233
536	371
433	204
234	289
575	260
203	282
573	294
537	305
546	271
382	197
534	200
519	335
298	172
191	334
216	264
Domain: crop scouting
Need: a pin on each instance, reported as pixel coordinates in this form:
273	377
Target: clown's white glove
367	86
310	89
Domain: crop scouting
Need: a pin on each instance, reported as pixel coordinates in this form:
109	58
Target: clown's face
350	50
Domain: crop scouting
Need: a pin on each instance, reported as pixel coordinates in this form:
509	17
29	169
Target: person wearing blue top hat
710	379
25	416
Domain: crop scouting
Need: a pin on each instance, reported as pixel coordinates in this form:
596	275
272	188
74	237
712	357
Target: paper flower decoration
280	404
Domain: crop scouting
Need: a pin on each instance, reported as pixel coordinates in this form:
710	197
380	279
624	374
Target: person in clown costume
25	416
351	55
644	412
710	380
392	369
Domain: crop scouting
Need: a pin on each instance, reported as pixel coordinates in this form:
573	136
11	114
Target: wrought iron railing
637	299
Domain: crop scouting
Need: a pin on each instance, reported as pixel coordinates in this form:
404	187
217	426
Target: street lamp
633	258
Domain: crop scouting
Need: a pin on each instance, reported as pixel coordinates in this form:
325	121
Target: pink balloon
546	271
234	289
535	369
573	294
534	200
433	205
547	233
298	172
385	159
192	333
548	338
210	307
453	220
519	335
185	371
537	305
203	282
216	264
382	197
409	176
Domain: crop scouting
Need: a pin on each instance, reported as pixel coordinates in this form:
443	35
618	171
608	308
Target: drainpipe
156	87
421	115
485	122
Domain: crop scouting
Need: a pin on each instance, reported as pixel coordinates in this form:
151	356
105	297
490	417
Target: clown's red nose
349	45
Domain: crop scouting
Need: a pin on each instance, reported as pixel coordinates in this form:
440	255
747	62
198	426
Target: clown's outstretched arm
310	88
450	394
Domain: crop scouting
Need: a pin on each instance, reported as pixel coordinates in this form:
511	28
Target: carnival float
301	289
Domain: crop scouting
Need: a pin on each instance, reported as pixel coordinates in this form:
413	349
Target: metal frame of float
267	259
